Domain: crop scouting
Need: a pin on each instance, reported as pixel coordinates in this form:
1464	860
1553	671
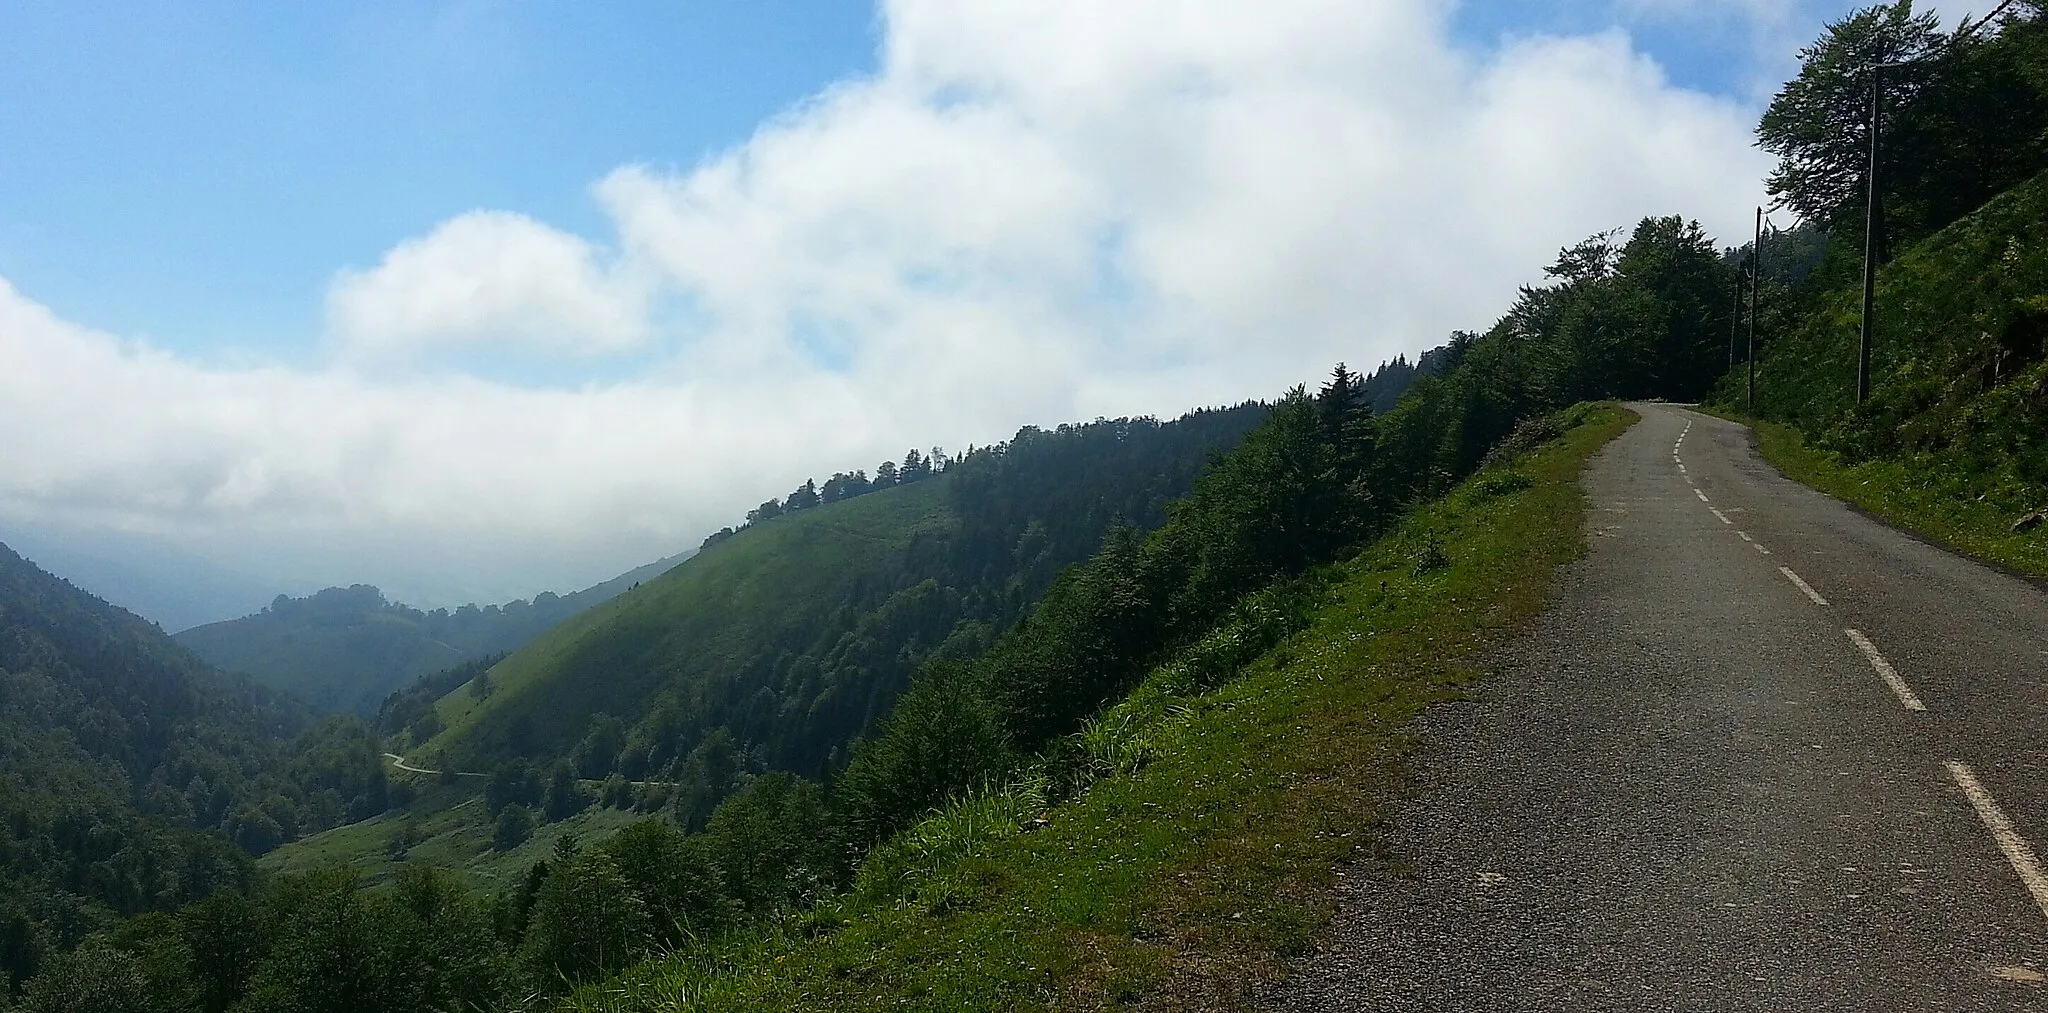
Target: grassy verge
449	829
1204	855
1935	499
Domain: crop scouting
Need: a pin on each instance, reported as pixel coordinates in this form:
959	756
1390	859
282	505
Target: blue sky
198	171
474	299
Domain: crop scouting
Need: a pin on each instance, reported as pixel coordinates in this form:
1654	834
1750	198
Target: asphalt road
1690	787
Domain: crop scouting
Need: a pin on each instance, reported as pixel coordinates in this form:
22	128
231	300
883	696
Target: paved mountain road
1691	787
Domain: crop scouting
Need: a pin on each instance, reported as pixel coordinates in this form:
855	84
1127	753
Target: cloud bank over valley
1032	212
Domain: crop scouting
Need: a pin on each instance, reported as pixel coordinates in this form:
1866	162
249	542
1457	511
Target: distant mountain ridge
344	649
146	575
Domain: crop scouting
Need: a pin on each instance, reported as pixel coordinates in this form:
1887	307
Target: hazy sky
473	299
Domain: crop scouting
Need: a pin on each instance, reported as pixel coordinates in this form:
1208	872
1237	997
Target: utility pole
1756	280
1872	219
1873	212
1735	316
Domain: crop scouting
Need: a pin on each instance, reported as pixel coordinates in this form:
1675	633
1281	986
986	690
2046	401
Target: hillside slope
796	634
344	649
1954	437
709	626
116	747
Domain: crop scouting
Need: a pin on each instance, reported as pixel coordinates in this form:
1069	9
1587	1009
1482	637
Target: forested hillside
1958	358
1954	435
130	770
346	649
793	636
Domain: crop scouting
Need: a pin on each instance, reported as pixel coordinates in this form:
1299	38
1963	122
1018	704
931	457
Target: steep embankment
344	649
1953	441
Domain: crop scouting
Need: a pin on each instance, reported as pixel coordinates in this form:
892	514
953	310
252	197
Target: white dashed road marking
1702	496
2017	850
1803	585
1745	537
1722	516
1886	671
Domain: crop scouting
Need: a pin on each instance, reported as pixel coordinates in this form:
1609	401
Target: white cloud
488	277
1035	211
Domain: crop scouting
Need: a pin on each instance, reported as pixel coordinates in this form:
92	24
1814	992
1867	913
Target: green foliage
1642	319
617	792
129	770
603	740
448	934
342	760
1962	122
565	796
1819	123
1318	477
224	935
408	716
515	782
774	842
513	827
707	776
682	889
587	919
94	978
944	737
424	945
910	865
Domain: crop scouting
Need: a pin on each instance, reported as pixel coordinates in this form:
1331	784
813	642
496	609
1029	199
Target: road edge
1748	424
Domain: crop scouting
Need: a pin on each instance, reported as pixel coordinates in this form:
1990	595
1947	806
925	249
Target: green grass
455	834
1931	497
692	630
1204	857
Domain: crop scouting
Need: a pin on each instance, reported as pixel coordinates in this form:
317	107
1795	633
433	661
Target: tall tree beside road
1961	122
